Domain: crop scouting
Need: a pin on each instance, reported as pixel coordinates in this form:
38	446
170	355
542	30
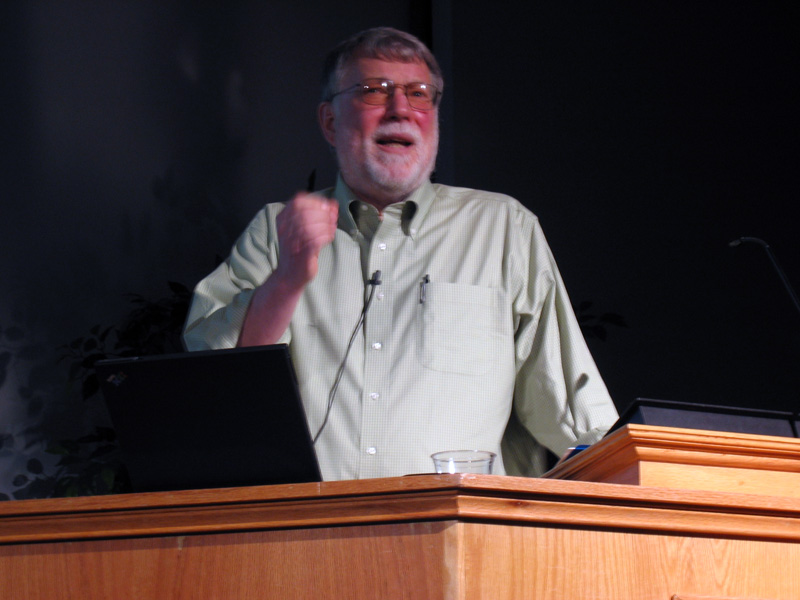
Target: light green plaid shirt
486	355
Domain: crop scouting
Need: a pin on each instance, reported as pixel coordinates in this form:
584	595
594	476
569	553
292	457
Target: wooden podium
418	537
690	459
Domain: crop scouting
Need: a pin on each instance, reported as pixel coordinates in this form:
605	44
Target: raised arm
263	278
305	226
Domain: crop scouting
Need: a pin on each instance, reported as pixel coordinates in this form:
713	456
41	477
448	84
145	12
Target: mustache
402	130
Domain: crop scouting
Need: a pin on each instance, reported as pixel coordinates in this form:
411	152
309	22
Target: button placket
377	340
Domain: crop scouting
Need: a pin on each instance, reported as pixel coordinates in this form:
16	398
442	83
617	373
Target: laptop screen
219	418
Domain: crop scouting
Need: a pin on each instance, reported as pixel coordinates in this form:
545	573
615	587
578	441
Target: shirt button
372	450
380	295
381	246
377	345
374	395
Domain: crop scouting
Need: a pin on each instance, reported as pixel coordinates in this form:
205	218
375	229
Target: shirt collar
413	209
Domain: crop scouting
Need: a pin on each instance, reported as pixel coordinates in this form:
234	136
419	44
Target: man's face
384	152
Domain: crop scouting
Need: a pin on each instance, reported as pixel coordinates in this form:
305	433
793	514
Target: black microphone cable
374	283
775	265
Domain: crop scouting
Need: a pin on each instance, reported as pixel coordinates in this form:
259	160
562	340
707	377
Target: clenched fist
305	226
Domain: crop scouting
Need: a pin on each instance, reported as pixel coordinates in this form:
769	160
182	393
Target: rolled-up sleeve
221	300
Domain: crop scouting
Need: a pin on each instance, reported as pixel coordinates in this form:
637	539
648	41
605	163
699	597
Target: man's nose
397	104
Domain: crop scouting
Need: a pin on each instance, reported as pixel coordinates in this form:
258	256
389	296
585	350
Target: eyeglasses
421	96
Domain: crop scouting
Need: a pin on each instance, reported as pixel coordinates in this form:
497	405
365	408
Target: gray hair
380	42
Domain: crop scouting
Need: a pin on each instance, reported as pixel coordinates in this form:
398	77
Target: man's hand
305	226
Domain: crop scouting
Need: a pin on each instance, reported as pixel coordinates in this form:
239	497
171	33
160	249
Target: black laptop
219	418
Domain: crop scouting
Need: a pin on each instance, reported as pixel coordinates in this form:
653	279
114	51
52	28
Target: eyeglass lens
378	91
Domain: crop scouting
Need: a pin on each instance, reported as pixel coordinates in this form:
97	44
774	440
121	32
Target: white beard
383	176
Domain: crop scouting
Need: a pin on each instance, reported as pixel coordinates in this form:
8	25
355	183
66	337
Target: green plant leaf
56	448
108	475
69	447
89	361
69	460
75	370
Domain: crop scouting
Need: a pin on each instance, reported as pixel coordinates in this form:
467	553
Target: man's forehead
370	66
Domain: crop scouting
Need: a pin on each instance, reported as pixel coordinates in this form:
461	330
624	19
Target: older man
420	317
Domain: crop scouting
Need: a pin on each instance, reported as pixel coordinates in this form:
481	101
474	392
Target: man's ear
326	122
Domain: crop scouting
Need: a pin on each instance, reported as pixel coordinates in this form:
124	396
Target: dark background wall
647	136
139	137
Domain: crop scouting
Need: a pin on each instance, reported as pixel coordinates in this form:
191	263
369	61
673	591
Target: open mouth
394	141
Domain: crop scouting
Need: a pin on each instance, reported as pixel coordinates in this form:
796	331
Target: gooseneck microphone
774	261
373	282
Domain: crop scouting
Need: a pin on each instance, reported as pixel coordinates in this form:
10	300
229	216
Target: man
468	339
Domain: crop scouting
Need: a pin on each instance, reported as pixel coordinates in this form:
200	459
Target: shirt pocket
462	328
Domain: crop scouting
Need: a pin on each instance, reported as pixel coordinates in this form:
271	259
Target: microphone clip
376	279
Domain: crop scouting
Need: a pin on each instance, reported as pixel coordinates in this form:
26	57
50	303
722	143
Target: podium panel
690	459
422	537
445	560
